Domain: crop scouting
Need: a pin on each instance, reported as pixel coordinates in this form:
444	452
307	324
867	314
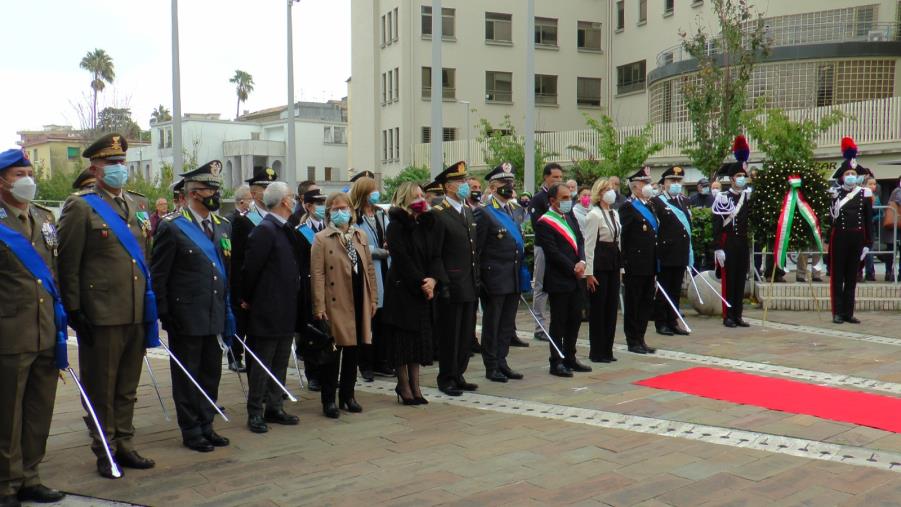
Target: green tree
622	157
717	94
161	113
243	86
118	119
783	139
100	65
416	174
503	144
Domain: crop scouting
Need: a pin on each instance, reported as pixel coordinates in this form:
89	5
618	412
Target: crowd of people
347	286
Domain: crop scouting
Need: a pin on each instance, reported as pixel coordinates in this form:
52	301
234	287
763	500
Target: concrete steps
871	296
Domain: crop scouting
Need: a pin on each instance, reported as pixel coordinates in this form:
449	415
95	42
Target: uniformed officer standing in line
191	250
434	193
639	240
28	373
103	289
731	211
457	271
85	179
311	222
852	233
673	249
499	246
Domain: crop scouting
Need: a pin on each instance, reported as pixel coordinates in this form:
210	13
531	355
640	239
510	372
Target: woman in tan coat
344	294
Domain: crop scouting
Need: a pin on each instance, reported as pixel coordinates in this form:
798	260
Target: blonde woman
344	294
603	259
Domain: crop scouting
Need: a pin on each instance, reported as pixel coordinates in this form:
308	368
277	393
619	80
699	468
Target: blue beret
15	157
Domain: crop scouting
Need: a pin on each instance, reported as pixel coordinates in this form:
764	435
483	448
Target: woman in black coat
409	288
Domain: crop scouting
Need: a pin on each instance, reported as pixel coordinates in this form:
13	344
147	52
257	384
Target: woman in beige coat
344	294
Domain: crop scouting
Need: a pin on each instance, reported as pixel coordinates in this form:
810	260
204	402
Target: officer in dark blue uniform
500	246
311	222
674	252
191	251
639	241
457	271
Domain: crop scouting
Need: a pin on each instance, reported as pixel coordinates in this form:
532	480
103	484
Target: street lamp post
437	157
468	132
290	169
529	158
176	96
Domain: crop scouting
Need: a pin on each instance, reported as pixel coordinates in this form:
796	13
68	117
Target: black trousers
638	297
566	319
603	303
339	374
845	247
498	327
670	278
202	357
456	325
310	363
734	276
274	352
377	354
241	328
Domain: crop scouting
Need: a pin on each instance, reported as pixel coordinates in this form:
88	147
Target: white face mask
24	189
610	196
648	191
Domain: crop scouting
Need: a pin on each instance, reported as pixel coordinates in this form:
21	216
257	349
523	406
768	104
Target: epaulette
438	207
514	204
171	216
85	191
136	193
42	207
220	217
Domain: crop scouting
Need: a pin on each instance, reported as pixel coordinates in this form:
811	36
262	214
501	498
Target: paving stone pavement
463	453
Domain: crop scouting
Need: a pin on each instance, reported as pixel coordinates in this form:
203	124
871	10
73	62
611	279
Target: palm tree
243	86
160	113
100	65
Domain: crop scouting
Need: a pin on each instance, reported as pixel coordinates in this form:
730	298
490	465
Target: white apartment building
618	57
254	140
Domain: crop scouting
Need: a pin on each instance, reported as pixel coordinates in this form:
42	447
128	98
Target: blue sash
196	235
120	228
31	259
646	213
307	232
525	278
685	224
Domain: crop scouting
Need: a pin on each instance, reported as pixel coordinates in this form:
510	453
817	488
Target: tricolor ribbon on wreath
794	200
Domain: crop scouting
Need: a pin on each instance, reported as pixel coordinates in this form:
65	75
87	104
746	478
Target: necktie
26	224
208	228
122	205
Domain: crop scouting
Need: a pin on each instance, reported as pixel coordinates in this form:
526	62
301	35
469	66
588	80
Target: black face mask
212	202
505	191
436	200
475	195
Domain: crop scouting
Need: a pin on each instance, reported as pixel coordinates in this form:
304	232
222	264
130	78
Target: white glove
720	257
864	254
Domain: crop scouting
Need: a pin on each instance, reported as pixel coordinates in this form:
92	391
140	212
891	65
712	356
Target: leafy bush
419	175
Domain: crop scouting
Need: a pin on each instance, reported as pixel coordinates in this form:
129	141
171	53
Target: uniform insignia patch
49	233
3	213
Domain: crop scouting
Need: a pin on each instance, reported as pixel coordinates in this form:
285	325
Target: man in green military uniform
28	374
103	289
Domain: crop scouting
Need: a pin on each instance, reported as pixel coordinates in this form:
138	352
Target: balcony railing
869	122
787	33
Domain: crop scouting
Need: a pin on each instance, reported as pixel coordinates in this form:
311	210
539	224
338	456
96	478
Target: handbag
319	341
889	220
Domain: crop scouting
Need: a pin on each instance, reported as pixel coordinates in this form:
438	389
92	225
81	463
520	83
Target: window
545	89
642	12
390	27
498	86
328	174
620	15
668	6
334	135
396	84
390	86
384	89
546	32
396	143
168	138
384	37
498	27
384	146
426	135
394	31
667	106
73	152
254	136
311	173
588	91
448	77
162	134
447	22
390	144
666	58
589	36
630	77
449	134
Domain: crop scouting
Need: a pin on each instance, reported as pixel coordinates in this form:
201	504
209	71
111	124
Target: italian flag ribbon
559	224
794	199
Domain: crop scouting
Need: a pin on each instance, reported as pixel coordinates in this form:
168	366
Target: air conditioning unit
877	36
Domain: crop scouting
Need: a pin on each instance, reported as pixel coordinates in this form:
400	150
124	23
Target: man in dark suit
538	205
188	268
500	251
639	239
674	252
270	291
457	271
558	234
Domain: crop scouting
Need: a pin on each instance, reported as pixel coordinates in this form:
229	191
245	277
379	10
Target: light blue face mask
375	197
741	181
341	218
115	176
320	211
705	190
675	189
851	180
566	206
463	190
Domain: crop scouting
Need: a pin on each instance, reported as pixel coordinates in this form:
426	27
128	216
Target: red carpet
873	410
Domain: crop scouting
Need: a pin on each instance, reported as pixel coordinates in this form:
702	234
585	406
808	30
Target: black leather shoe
729	323
637	349
216	439
577	366
367	375
350	405
330	410
516	342
198	443
450	390
9	501
314	385
510	374
837	319
680	331
105	469
132	459
613	359
257	424
599	359
742	323
495	376
647	348
852	320
281	417
476	348
237	366
40	494
463	385
540	336
560	370
665	331
384	371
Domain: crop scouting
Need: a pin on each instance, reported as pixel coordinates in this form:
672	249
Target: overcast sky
41	79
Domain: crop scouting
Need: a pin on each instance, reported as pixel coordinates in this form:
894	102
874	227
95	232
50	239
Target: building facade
54	147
